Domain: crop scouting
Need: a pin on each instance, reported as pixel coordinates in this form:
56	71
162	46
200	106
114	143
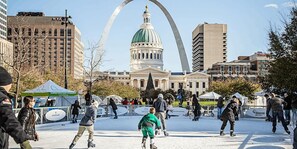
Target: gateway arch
179	42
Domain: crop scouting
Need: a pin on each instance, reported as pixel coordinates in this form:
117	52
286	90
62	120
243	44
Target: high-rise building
6	48
3	19
42	39
209	43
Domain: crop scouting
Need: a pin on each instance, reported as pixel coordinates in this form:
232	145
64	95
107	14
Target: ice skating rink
183	134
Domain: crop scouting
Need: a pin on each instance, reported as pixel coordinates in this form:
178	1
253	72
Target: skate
152	146
157	132
232	134
273	130
143	143
222	133
91	144
165	133
71	146
288	131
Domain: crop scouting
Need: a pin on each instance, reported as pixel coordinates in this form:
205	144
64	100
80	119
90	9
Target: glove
26	145
36	137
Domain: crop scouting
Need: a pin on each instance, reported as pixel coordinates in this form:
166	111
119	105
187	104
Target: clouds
271	6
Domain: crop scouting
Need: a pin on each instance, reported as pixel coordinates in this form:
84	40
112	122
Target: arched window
147	56
138	55
142	55
157	56
151	56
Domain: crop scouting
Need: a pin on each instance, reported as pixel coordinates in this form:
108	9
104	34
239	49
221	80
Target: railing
126	110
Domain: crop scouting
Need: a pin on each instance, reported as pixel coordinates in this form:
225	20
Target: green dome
146	35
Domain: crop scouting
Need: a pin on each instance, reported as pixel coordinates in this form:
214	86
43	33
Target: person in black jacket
229	115
74	108
220	105
275	104
161	106
9	125
114	108
27	118
88	98
268	117
197	108
287	108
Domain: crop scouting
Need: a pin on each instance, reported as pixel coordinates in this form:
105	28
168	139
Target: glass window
172	85
61	32
141	83
197	84
190	84
156	83
203	85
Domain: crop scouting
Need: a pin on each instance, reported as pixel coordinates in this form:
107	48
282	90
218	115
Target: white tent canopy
210	95
260	93
116	98
240	97
61	96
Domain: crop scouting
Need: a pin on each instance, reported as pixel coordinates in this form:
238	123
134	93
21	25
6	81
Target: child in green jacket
146	124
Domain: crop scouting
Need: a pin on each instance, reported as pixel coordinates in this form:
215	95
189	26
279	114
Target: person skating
229	115
74	108
287	108
146	124
160	106
27	118
87	123
9	125
197	108
268	117
275	105
114	108
220	105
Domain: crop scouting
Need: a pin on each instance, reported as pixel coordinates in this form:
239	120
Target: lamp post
65	22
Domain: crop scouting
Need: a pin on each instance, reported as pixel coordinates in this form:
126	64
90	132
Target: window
222	69
146	55
142	55
50	32
156	83
197	84
151	56
190	84
138	55
61	32
55	32
36	32
69	32
203	85
172	85
141	83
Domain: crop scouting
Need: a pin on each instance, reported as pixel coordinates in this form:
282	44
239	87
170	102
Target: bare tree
24	36
93	60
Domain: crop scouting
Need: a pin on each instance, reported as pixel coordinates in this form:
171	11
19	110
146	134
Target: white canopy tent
210	95
62	96
116	98
240	97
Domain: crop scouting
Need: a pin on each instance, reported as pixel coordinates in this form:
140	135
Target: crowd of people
22	128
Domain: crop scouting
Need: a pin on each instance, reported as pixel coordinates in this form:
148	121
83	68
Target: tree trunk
17	89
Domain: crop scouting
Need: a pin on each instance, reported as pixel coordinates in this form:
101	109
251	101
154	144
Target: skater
146	124
287	108
275	104
114	108
27	118
295	138
229	115
160	106
268	117
74	108
220	105
197	108
238	104
88	98
87	122
9	125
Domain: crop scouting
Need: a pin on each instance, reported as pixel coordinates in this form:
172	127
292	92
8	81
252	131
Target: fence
123	110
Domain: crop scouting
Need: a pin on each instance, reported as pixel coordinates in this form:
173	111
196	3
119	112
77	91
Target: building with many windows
249	67
3	19
43	40
209	46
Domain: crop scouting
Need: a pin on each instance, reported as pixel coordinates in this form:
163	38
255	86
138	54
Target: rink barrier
128	110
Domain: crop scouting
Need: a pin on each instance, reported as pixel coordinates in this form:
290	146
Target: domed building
146	56
146	46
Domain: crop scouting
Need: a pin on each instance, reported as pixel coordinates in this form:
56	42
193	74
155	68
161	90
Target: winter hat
5	77
160	96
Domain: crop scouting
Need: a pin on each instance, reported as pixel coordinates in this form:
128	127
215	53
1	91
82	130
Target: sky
248	23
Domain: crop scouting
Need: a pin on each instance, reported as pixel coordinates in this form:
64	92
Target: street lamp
66	21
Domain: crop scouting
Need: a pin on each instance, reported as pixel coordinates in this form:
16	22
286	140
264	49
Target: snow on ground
183	134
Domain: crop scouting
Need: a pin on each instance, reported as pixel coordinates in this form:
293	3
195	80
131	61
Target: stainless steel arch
179	43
